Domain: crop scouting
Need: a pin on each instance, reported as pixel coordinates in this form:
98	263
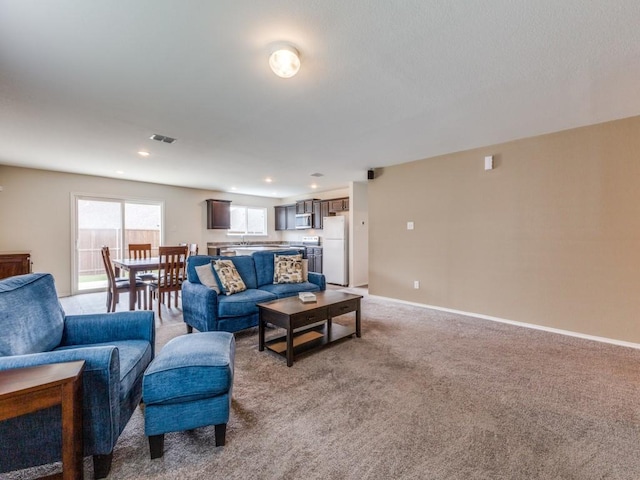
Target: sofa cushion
264	262
282	290
229	278
31	317
243	303
287	269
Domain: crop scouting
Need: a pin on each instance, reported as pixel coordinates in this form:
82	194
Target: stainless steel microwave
303	220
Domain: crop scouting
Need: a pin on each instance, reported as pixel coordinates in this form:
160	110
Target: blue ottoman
188	385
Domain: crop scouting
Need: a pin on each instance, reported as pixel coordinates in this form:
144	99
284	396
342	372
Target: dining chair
193	248
116	286
142	251
171	272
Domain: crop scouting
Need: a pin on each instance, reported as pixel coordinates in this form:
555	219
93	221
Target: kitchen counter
245	249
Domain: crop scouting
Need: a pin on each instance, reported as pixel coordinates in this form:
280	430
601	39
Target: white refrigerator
335	250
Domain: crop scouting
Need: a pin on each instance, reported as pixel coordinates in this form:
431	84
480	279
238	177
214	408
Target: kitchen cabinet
281	217
320	210
305	206
317	214
314	256
339	205
14	263
291	217
285	217
218	214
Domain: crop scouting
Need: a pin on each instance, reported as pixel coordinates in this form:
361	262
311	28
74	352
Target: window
248	221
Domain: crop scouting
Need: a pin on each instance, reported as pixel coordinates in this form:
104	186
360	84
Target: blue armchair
116	348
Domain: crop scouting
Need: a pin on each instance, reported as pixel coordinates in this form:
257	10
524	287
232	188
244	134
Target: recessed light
142	153
233	188
119	172
285	61
268	180
313	185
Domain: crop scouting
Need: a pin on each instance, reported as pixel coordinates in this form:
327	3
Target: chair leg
189	329
109	295
102	465
114	301
156	445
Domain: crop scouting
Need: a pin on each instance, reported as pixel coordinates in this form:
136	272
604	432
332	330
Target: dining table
134	267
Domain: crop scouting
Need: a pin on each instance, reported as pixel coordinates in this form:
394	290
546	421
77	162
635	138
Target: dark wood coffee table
293	315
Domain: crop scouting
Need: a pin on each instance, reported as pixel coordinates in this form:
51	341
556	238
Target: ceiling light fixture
285	61
142	153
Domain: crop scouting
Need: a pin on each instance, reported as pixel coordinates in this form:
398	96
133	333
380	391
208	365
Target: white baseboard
569	333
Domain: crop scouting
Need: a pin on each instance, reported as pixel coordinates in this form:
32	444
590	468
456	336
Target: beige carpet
422	395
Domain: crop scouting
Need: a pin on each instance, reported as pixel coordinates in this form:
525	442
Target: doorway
115	223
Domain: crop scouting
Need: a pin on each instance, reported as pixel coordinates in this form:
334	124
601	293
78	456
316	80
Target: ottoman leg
156	445
221	432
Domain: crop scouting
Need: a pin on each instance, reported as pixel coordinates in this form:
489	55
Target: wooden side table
26	390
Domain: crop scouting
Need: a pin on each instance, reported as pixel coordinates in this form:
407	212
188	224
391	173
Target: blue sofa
116	348
206	310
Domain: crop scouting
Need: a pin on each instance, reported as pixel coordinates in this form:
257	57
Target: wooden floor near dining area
97	303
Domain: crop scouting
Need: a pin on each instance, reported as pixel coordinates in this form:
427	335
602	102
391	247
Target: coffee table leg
289	346
260	333
358	333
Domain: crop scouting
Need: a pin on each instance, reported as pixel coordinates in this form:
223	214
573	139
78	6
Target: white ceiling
83	84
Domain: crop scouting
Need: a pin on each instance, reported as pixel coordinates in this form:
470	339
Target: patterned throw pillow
229	277
287	269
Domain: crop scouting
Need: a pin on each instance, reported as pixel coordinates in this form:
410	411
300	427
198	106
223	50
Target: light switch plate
409	225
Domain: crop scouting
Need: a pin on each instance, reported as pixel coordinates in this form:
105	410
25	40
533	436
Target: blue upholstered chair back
31	317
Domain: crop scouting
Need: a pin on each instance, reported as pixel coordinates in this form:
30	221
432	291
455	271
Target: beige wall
551	236
35	214
358	234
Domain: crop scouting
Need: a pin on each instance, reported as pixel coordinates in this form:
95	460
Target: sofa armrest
101	388
109	327
318	279
199	306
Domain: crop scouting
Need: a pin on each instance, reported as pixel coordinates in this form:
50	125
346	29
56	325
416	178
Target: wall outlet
409	225
416	284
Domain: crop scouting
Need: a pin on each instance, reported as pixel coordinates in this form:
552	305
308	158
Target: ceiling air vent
162	138
317	174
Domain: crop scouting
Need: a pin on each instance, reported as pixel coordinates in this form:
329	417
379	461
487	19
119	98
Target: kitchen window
248	221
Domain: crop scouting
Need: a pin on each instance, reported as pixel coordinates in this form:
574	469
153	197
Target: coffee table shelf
305	341
293	315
